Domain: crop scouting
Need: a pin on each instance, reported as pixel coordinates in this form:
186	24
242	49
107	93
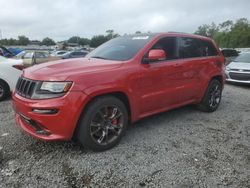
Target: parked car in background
5	52
238	71
58	53
35	57
75	54
229	54
15	51
121	81
10	70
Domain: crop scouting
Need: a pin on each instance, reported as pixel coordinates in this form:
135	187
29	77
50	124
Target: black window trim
177	39
165	60
202	57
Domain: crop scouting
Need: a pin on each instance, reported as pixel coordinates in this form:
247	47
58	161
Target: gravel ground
180	148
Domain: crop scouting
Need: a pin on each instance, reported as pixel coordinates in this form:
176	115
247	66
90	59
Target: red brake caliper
114	122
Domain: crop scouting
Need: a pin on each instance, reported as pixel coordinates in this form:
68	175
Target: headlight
228	69
47	90
55	87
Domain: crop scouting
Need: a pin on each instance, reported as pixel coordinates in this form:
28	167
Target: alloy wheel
215	96
106	125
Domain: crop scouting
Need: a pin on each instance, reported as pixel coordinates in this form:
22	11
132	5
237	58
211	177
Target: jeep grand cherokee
127	78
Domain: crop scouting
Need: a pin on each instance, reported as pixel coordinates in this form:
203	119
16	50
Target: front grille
241	70
25	87
239	76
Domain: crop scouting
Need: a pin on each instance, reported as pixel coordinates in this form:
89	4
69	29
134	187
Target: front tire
103	123
212	97
4	90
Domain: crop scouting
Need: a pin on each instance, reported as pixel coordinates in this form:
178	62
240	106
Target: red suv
128	78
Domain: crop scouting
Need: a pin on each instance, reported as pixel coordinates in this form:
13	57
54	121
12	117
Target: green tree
84	41
202	30
207	30
8	42
23	40
228	34
78	40
226	26
98	40
48	41
74	39
111	34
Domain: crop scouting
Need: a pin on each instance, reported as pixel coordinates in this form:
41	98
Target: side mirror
155	55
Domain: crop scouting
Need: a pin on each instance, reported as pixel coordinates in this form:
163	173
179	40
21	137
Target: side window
208	48
28	55
189	47
168	44
39	55
76	53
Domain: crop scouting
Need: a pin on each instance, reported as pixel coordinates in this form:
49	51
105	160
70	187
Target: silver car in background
239	70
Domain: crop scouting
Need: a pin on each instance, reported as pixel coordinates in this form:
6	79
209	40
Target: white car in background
238	71
59	53
10	70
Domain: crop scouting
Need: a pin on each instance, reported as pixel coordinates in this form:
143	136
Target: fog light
45	111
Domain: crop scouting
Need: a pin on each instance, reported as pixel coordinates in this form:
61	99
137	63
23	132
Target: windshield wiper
98	57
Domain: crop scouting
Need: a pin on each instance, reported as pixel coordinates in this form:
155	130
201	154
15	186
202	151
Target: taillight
19	67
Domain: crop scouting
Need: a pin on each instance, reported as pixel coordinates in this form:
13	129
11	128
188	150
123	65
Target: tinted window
168	44
121	48
189	47
208	48
192	47
229	53
77	53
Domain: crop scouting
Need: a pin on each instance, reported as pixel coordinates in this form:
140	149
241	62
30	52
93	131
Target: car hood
13	61
239	65
63	69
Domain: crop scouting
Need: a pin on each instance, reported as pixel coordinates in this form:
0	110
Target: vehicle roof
177	34
37	51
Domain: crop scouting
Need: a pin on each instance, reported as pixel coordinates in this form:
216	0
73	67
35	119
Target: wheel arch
217	77
118	94
2	80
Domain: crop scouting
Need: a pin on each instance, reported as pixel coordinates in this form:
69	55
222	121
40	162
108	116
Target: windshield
20	54
243	58
121	48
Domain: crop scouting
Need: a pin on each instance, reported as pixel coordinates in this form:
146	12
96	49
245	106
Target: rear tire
212	97
102	124
4	90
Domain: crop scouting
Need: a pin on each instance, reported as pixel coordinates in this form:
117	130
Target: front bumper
59	125
238	77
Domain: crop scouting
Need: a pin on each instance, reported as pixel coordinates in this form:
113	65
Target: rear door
197	56
192	61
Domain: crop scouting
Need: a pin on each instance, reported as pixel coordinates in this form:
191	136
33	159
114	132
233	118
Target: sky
61	19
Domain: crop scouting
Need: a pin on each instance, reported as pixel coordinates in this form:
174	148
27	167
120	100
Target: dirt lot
180	148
